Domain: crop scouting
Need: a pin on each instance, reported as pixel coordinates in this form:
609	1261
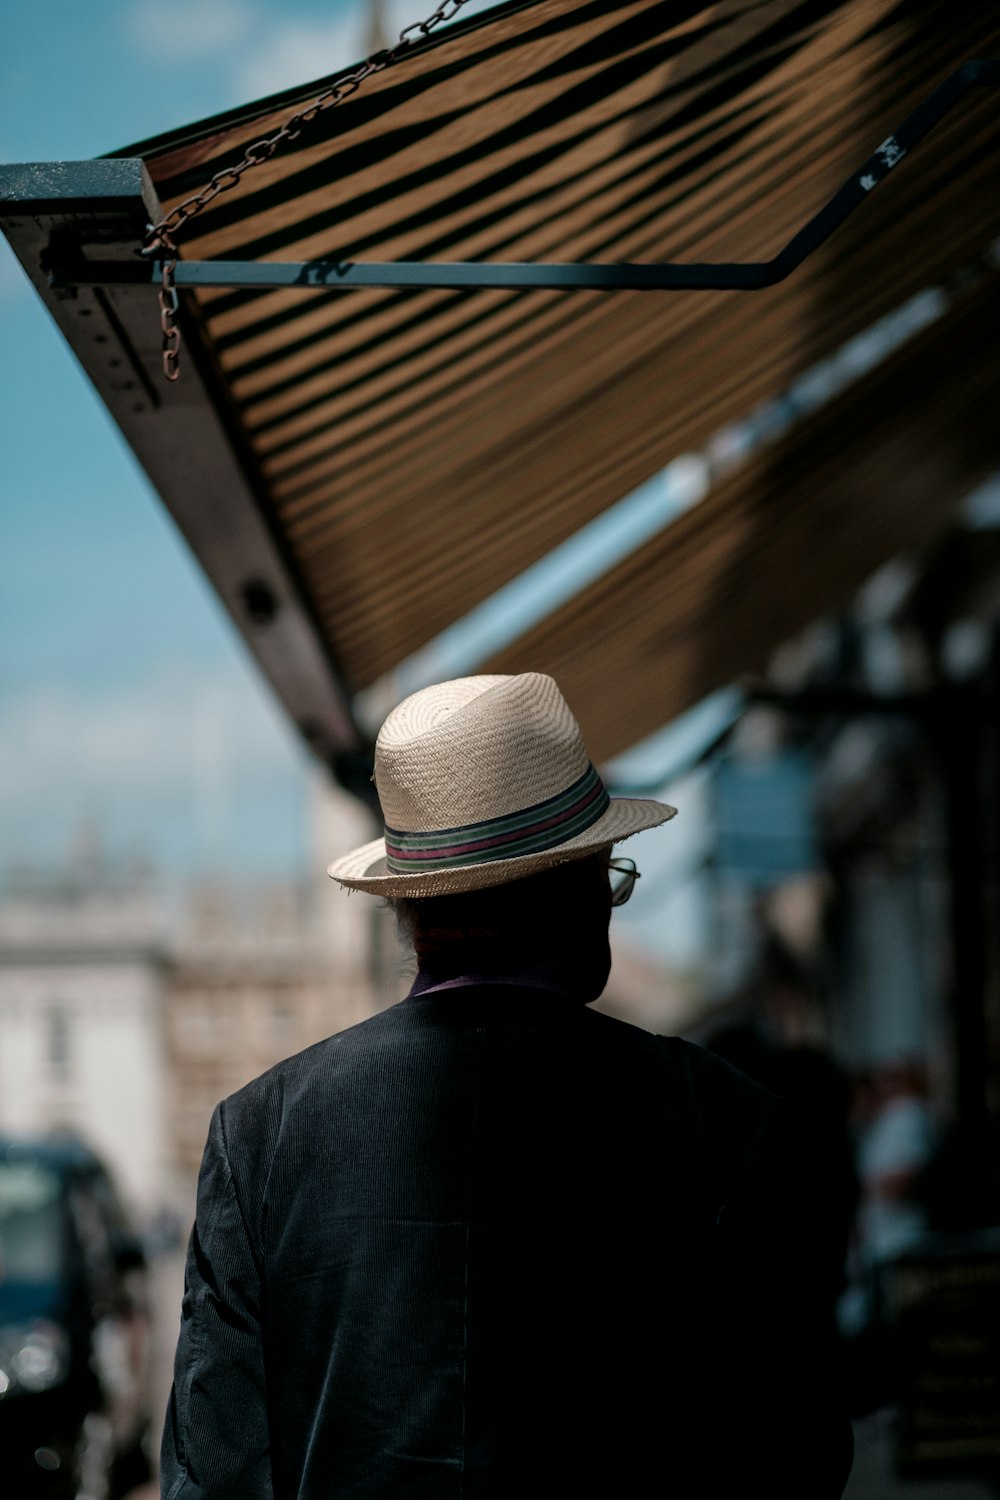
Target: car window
31	1224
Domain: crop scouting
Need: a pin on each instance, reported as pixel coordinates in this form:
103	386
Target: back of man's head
556	920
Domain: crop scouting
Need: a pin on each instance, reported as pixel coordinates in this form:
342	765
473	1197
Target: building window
59	1043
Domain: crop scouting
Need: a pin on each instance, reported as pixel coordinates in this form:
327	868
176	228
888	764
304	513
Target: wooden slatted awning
413	451
879	471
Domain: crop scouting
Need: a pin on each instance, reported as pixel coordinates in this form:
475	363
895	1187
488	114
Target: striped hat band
529	830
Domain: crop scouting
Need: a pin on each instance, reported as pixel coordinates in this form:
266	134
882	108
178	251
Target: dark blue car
74	1328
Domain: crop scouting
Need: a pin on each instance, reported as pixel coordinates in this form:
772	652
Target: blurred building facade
251	981
83	974
854	855
128	1011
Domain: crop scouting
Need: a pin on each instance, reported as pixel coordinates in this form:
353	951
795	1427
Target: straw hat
482	781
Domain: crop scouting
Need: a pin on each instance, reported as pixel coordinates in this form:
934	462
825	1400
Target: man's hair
508	925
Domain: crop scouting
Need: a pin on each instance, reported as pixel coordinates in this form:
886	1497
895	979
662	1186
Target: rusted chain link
171	341
159	239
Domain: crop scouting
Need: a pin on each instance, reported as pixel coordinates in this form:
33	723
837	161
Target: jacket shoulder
252	1117
292	1074
726	1105
712	1078
697	1074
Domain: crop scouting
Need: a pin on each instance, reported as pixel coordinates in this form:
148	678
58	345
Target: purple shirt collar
531	979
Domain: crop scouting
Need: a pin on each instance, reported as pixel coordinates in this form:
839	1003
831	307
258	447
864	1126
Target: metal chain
171	342
160	238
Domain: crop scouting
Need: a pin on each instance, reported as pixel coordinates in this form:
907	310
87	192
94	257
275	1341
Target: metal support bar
329	275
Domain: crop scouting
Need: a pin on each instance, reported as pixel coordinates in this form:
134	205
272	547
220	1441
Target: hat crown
474	749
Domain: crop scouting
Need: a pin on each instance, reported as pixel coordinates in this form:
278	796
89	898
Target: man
490	1242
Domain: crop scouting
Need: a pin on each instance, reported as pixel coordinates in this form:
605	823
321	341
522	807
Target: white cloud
199	765
260	51
401	13
301	49
189	28
141	733
299	52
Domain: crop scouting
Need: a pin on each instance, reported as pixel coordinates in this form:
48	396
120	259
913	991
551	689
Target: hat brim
365	869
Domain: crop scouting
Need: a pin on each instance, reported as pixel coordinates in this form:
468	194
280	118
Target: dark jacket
492	1242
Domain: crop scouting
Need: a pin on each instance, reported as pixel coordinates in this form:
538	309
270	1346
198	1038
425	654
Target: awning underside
417	450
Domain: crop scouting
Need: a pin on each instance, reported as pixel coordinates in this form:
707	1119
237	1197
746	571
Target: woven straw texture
472	750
